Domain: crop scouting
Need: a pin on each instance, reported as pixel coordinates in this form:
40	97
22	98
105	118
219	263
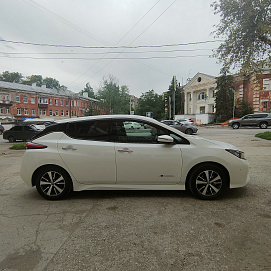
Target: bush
265	135
20	146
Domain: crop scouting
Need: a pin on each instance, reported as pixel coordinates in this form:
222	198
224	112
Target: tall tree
115	99
12	77
178	97
51	83
33	79
246	27
89	90
151	102
224	97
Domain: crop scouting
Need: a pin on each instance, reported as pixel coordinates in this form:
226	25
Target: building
19	102
199	98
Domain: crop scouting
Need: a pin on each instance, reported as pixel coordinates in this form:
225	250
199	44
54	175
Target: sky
142	43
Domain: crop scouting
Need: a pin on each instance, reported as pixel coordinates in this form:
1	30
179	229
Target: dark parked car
263	120
2	129
183	127
20	132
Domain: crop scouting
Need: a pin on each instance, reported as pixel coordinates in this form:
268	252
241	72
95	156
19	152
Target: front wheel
208	181
263	125
53	183
236	125
189	131
11	139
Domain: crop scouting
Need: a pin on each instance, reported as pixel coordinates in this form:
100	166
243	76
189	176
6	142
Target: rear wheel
208	181
235	125
11	139
53	183
263	125
189	131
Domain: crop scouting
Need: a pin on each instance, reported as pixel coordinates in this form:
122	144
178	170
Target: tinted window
91	130
260	116
17	128
52	128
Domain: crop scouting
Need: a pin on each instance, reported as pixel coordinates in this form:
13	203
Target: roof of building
42	90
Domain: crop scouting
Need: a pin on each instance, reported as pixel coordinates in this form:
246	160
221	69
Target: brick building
20	102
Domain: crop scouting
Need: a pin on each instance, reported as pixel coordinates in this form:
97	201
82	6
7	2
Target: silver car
183	127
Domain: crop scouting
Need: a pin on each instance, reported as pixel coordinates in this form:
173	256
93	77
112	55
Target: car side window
145	133
91	130
17	128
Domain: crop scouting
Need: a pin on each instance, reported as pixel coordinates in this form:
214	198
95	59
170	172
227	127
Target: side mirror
165	139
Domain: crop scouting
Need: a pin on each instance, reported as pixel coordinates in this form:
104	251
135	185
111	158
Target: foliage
224	96
33	79
51	83
265	135
178	97
89	90
246	27
151	102
113	98
243	108
12	77
20	146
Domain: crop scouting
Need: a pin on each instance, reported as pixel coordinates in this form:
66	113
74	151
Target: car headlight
237	153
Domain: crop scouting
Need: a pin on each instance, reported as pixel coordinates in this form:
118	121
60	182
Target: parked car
183	127
186	121
2	129
20	132
263	120
100	153
132	125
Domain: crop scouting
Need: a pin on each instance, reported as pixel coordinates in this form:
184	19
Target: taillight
31	145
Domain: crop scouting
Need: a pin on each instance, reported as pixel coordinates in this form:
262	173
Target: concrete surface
139	230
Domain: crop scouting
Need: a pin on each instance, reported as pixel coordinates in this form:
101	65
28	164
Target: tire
53	183
11	139
189	131
235	125
263	125
208	181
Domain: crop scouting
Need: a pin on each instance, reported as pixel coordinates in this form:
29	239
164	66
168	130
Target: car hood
234	120
199	140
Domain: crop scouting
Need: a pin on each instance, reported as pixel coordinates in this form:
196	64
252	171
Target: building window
266	84
25	99
32	100
56	113
44	112
50	101
43	100
264	106
67	103
18	111
56	102
33	112
202	110
7	111
67	113
1	110
62	112
26	111
61	102
51	112
202	96
18	98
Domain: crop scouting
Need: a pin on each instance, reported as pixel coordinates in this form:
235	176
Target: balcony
43	105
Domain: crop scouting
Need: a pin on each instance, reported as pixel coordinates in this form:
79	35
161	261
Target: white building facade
199	97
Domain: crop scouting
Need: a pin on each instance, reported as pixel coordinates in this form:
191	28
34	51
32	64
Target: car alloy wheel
53	183
263	125
235	125
208	181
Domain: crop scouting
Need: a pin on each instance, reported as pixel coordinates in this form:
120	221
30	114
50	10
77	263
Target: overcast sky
109	23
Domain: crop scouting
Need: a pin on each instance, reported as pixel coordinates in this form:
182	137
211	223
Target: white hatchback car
99	152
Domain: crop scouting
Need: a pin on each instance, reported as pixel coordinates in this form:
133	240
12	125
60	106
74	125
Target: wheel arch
207	163
45	166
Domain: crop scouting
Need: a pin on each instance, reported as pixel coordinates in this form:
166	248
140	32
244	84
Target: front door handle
69	147
125	150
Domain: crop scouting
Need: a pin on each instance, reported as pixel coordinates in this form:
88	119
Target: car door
141	159
88	150
247	120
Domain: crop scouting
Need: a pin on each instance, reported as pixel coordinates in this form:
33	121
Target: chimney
85	94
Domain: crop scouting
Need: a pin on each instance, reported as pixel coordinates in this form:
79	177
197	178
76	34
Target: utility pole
174	95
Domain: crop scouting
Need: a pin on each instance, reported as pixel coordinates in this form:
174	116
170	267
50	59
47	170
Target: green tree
224	97
243	108
33	79
51	83
12	77
89	90
151	102
114	99
246	27
178	97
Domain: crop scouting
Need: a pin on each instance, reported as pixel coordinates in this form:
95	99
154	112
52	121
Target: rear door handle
69	147
125	150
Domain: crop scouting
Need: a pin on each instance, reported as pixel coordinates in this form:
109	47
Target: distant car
131	125
186	121
185	128
262	120
20	132
99	153
2	129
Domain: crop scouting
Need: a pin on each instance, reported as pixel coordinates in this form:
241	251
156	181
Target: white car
99	153
131	125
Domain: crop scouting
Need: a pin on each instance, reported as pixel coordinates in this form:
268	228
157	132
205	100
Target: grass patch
20	146
265	135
